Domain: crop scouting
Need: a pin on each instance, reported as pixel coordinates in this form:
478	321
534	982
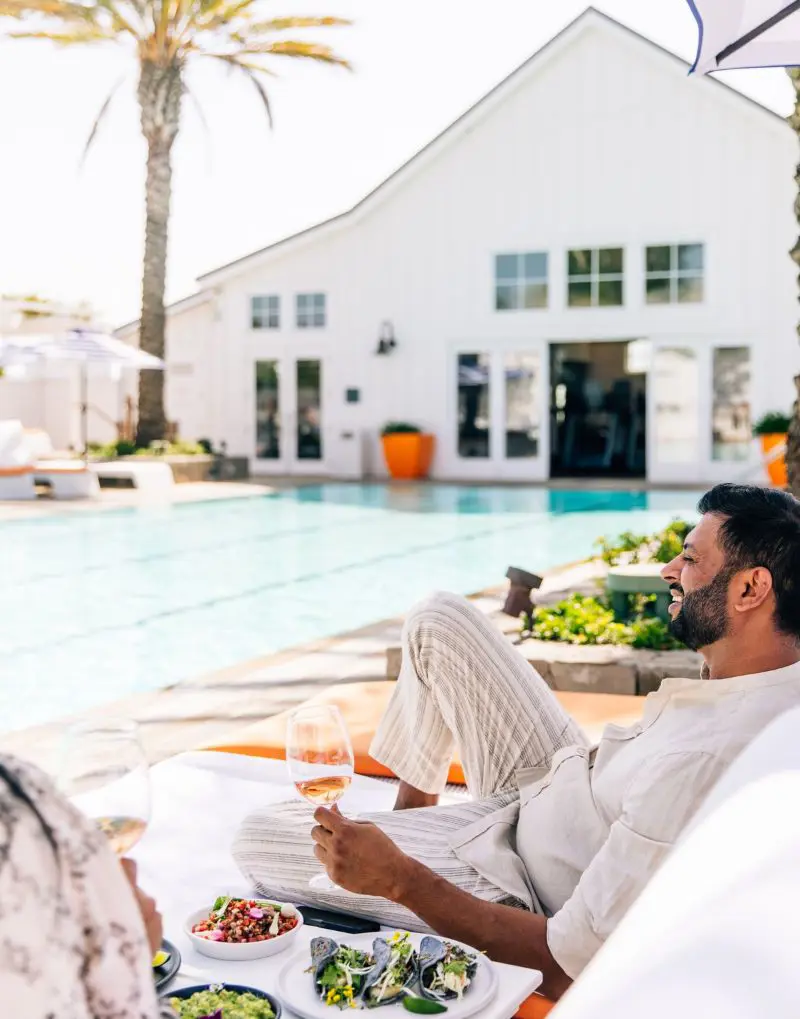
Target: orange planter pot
777	467
408	454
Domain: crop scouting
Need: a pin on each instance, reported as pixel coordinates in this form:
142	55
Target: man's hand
358	856
147	907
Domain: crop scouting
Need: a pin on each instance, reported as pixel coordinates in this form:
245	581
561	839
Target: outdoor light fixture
386	340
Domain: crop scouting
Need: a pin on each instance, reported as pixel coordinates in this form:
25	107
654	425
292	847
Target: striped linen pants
462	684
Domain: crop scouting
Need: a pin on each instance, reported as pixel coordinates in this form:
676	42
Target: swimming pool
96	606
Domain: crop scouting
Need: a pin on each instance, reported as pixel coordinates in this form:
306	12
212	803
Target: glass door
500	432
289	434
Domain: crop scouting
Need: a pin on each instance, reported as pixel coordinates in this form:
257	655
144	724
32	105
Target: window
310	311
520	281
595	277
473	405
674	274
265	312
730	423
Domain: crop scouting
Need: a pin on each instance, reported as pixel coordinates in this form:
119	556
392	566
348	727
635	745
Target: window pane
535	265
505	267
609	293
535	295
309	410
473	405
505	297
579	263
579	295
658	291
690	256
676	388
522	408
731	427
319	302
659	259
690	289
610	260
268	425
302	303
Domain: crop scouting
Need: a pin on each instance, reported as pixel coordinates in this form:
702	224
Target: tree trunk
793	444
160	92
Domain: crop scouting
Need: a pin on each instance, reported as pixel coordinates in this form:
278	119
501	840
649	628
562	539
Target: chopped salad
239	921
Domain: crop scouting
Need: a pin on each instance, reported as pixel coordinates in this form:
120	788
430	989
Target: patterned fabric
486	698
72	942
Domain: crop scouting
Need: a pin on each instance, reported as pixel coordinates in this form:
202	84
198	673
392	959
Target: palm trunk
160	92
793	443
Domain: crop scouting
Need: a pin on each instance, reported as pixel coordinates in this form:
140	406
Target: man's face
699	580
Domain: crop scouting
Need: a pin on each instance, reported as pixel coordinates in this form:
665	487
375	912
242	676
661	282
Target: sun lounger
16	475
67	479
152	478
363	705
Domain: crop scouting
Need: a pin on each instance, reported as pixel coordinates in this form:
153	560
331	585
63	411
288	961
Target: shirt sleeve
657	806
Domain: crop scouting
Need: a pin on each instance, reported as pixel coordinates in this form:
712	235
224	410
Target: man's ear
751	589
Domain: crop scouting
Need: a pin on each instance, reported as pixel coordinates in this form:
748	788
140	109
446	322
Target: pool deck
132	498
214	708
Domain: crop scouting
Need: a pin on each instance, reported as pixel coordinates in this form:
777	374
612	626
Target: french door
289	436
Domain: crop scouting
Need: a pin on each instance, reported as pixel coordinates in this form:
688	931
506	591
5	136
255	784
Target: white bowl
233	951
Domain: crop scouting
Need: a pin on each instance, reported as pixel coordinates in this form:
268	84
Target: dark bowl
187	992
163	975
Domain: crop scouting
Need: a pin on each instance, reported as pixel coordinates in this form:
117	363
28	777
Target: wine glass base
322	883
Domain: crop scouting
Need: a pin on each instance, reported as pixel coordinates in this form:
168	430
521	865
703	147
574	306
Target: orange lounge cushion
363	705
15	472
535	1007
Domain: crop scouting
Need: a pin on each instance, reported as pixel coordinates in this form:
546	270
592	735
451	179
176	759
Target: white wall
604	141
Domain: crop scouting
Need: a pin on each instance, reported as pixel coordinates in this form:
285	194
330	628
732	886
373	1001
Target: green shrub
580	619
773	423
661	547
400	428
178	448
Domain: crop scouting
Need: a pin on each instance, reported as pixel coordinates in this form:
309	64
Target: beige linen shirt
588	833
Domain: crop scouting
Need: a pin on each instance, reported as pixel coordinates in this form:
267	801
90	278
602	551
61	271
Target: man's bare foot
408	798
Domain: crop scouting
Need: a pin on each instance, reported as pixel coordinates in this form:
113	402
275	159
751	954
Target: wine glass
319	756
105	774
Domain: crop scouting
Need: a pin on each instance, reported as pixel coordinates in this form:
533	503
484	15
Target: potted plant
408	450
771	429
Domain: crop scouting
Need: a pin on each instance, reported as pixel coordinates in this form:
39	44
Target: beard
703	616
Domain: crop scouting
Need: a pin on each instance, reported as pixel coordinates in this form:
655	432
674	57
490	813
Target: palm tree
793	442
165	36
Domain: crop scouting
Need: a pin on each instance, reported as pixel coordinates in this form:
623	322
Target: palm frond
98	120
295	48
79	36
289	24
63	10
252	71
217	13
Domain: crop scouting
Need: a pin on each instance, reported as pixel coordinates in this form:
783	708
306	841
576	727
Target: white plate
297	992
243	951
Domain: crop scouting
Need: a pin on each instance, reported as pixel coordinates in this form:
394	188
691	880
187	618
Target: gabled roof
464	123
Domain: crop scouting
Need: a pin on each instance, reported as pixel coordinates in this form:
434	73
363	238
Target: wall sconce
386	340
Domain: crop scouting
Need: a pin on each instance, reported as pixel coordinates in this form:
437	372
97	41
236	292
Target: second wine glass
319	756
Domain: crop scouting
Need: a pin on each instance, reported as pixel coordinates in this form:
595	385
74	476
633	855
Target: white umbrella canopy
81	346
746	33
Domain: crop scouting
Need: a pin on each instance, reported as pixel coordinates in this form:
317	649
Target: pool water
97	606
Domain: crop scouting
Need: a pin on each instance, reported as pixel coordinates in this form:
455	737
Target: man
560	837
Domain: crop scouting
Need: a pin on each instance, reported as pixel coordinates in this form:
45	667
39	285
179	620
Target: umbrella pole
85	408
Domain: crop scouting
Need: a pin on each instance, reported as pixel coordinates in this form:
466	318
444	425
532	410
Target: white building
48	396
586	274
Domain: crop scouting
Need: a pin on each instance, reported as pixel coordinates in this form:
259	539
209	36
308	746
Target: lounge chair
16	472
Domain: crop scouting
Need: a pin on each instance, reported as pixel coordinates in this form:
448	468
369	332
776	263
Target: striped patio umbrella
84	347
746	33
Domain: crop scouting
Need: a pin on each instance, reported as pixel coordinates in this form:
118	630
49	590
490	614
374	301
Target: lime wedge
159	959
422	1006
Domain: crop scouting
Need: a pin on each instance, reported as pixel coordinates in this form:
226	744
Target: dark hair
762	528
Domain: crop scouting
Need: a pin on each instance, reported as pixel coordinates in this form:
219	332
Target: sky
74	231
